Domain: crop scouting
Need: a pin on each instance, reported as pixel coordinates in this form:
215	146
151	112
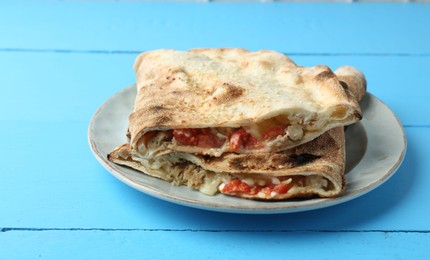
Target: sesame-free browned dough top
232	88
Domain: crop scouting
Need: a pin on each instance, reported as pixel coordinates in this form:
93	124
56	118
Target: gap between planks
11	229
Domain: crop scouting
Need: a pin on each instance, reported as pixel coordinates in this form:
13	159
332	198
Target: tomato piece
186	136
244	188
253	143
242	139
273	132
281	188
198	137
237	138
254	190
210	140
267	190
232	186
237	186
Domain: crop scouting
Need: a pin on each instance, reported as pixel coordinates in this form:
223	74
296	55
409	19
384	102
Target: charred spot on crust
281	161
246	162
170	78
325	75
350	93
293	160
171	75
358	115
162	120
157	108
303	159
227	93
210	159
343	84
233	91
238	164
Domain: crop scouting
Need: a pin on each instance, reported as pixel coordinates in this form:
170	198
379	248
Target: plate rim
306	205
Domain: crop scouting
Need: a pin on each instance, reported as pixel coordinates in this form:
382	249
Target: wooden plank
94	244
287	27
60	86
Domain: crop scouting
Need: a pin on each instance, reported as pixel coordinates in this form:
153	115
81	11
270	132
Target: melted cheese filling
157	143
296	184
169	167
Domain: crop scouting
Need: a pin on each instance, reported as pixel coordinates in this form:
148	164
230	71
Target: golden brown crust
232	88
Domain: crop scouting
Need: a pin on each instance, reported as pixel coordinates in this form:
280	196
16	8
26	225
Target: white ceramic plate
375	148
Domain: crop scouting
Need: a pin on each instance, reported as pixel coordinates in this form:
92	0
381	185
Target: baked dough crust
231	88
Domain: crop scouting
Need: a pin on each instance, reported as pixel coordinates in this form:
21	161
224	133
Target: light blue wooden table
59	61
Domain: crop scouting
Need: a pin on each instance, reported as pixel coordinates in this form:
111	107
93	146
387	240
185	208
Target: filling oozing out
253	137
178	171
268	188
235	139
260	188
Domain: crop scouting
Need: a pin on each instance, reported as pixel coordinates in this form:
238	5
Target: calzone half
214	101
315	168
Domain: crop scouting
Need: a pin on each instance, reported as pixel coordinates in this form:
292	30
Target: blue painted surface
60	61
167	244
295	28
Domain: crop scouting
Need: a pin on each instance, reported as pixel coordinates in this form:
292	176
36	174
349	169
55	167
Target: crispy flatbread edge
193	174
